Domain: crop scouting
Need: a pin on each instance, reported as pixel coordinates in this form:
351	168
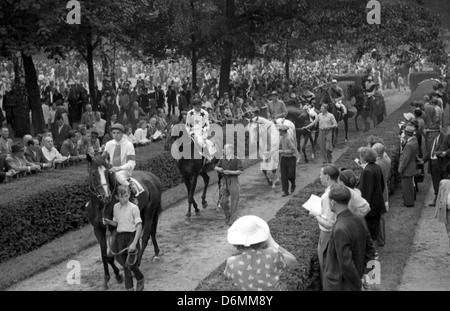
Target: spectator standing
350	246
407	166
99	125
357	204
328	177
385	165
135	115
60	132
443	204
275	107
88	117
438	159
261	260
327	123
371	185
171	100
230	168
287	161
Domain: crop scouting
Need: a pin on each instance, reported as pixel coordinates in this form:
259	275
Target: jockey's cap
197	102
119	127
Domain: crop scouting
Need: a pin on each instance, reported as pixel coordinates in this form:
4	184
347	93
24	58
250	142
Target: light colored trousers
321	247
122	177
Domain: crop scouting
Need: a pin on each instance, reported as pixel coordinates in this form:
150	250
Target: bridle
94	190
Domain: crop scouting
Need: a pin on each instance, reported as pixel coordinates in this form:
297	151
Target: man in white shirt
99	125
50	153
329	176
197	123
121	155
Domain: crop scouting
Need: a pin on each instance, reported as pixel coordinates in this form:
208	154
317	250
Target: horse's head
100	179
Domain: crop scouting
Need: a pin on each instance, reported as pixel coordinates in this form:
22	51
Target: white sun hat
248	230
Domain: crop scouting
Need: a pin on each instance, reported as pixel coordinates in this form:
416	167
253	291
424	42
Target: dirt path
191	252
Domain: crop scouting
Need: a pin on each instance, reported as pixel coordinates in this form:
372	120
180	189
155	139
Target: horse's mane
100	161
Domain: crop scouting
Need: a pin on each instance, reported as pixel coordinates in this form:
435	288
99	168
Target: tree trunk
286	68
90	65
227	56
21	109
31	83
194	61
108	56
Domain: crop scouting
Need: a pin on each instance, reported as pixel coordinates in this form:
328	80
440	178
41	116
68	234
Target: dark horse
102	186
300	118
191	165
324	97
363	106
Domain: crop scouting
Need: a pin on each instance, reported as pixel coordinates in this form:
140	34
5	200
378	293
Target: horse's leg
153	228
191	196
313	146
100	234
205	177
356	120
220	192
267	177
305	141
187	182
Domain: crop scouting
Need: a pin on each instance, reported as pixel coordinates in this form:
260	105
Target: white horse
266	133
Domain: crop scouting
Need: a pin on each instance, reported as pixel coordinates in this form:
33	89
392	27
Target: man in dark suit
33	154
438	158
407	167
60	131
350	247
135	115
4	169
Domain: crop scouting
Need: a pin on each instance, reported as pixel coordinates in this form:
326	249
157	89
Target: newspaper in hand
314	205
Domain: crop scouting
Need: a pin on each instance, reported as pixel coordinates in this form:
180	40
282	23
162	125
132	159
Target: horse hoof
346	141
273	186
197	213
205	205
312	156
105	286
188	221
156	259
119	278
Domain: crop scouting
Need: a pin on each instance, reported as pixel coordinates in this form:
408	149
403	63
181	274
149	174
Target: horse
102	186
324	97
300	117
264	133
362	105
191	165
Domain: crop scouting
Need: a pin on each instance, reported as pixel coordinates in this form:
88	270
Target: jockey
197	124
369	87
337	95
121	155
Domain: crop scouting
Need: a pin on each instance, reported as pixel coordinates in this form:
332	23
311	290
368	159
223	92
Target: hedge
416	77
295	230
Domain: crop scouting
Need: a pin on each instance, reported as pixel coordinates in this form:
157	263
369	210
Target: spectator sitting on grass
50	153
33	154
69	147
4	172
141	133
94	147
16	161
152	130
129	135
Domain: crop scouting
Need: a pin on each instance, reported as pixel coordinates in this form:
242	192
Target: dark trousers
373	224
123	240
382	233
436	177
171	108
408	190
229	198
287	171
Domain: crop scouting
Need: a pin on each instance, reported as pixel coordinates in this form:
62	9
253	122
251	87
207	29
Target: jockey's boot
133	193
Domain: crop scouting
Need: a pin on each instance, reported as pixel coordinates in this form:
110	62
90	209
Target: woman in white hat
261	261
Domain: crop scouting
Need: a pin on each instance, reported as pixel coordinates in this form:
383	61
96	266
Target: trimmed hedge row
416	77
295	230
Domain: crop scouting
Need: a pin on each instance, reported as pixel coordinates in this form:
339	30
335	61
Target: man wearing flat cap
17	162
407	166
275	107
288	160
122	157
